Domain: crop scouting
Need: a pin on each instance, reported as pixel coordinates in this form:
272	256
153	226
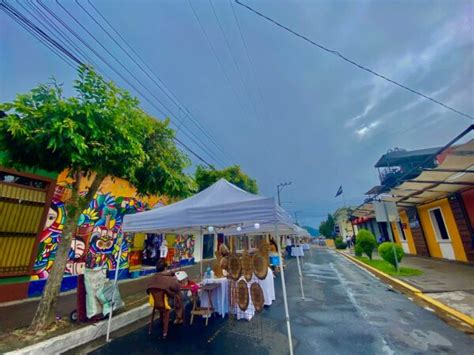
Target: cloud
415	63
361	132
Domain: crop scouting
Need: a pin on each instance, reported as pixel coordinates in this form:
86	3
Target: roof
222	205
399	157
375	190
455	173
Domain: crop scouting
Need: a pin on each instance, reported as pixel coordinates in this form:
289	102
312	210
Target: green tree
326	227
99	132
387	251
206	177
365	241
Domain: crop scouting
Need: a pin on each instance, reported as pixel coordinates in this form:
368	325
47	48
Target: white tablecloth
297	251
220	296
306	246
268	288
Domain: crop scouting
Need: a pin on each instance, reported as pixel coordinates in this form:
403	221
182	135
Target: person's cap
181	275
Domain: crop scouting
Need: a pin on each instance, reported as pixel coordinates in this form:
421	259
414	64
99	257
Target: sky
288	111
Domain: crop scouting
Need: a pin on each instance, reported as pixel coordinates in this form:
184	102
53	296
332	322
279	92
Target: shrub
340	244
366	241
358	250
386	252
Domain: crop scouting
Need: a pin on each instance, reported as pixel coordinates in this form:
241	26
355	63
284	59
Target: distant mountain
313	231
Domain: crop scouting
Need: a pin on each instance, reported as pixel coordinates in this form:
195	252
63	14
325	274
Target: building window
439	226
401	232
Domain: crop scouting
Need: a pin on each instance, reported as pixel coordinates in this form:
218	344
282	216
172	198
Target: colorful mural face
49	238
184	247
96	243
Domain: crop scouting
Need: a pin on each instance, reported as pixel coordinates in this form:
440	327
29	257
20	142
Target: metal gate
24	203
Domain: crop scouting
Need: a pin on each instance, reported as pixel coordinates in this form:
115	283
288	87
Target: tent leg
112	302
283	286
301	276
201	238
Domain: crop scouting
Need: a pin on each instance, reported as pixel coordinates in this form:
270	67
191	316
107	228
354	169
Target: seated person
167	282
187	285
184	280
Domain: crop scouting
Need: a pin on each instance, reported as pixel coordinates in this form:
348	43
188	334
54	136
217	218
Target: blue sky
296	113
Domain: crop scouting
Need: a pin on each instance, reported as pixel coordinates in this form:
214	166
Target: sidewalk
19	314
450	283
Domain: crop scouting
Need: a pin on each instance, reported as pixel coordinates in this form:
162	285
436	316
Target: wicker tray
258	299
242	295
260	265
247	266
235	268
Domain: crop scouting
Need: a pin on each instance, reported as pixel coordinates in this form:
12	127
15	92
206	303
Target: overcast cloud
320	122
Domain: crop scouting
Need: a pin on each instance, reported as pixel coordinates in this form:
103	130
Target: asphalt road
346	311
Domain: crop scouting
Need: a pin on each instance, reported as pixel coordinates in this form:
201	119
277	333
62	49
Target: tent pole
301	276
283	286
117	267
201	238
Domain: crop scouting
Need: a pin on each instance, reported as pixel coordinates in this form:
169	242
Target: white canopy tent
222	206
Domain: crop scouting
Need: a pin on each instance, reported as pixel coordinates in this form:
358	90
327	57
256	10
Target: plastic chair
160	306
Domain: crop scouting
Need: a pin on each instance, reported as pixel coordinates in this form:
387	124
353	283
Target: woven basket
258	299
247	266
235	268
260	265
242	295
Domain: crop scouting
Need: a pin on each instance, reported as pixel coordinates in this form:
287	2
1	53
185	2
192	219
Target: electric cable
353	62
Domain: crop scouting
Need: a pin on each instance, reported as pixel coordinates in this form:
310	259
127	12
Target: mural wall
99	228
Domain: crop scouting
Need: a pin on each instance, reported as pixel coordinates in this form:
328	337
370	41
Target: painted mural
49	238
99	232
184	247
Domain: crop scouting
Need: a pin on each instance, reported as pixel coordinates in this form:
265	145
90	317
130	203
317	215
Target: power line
232	56
131	74
200	144
343	57
213	50
37	32
252	66
47	22
160	84
63	53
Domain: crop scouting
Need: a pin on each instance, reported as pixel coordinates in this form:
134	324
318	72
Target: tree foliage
386	252
366	241
205	177
326	227
99	132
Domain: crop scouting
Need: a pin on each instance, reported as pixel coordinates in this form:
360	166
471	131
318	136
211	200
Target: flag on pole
339	192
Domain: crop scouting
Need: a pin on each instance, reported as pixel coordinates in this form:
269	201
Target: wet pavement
346	311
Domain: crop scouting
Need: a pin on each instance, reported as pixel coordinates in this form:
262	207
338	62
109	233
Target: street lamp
280	187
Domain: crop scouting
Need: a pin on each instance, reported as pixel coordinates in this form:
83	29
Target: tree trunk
45	313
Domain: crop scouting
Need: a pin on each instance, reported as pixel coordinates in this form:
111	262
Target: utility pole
280	187
296	217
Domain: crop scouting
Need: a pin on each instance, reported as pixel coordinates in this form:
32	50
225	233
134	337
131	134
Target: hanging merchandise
247	266
164	249
242	295
151	251
258	298
235	268
260	265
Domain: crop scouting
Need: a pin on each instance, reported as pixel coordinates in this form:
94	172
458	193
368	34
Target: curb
413	291
84	335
